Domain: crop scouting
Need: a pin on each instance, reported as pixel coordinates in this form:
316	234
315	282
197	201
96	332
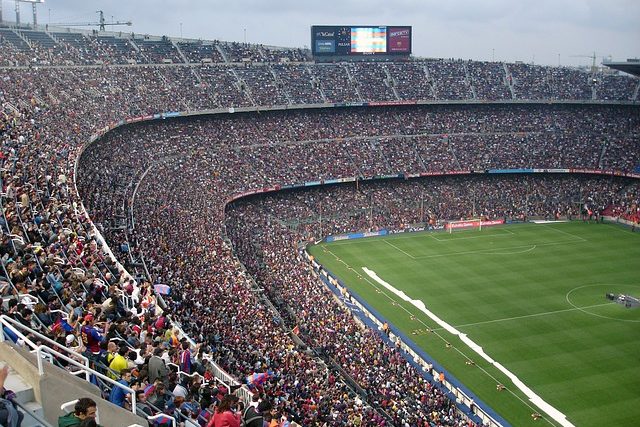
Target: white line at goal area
466	224
493	240
463	234
555	414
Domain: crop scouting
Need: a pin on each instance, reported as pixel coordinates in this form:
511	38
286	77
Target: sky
548	32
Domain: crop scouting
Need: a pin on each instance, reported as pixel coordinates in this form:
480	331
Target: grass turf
532	296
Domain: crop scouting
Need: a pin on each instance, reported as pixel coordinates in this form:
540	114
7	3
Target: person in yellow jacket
118	363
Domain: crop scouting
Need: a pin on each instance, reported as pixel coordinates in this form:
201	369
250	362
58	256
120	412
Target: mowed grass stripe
553	354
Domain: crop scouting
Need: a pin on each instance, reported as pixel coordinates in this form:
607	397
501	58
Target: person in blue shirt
119	395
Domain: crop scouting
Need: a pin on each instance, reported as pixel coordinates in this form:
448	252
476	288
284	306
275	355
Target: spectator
225	415
9	414
91	338
119	362
84	409
119	395
157	368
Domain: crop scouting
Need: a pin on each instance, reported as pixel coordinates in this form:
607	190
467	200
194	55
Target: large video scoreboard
360	40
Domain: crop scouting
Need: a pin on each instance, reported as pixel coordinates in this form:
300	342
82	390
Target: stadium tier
110	124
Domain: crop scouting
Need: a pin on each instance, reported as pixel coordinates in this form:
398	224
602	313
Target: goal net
467	224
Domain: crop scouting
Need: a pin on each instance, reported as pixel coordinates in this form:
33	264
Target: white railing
16	326
44	352
88	370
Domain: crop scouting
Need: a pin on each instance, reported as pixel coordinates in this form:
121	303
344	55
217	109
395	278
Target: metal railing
88	370
44	352
16	326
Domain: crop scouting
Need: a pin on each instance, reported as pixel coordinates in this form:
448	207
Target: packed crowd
51	253
59	46
626	205
399	204
266	229
214	159
280	83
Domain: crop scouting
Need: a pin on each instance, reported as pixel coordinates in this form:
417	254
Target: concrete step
25	397
33	408
14	382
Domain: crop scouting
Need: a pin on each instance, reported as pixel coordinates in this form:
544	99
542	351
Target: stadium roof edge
629	66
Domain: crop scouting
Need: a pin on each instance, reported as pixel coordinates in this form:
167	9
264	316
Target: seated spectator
119	363
84	409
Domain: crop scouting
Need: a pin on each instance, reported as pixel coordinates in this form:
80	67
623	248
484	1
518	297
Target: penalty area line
395	247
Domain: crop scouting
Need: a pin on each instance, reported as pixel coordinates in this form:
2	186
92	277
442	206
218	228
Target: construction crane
102	23
593	60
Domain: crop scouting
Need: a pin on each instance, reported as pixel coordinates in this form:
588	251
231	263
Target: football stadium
221	233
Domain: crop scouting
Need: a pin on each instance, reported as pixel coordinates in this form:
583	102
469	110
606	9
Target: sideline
555	414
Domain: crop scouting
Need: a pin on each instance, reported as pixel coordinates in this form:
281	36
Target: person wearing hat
91	338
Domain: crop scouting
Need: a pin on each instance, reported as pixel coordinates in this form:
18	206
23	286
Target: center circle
607	288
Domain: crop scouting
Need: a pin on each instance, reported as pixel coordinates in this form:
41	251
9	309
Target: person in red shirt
225	415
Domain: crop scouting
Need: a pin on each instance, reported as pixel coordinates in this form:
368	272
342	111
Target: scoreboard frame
361	40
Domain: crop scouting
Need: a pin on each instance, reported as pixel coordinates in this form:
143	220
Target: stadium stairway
45	394
25	397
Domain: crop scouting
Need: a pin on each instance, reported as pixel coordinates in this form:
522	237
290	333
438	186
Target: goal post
467	224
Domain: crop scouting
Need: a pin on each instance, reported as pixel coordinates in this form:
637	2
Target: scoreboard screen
360	40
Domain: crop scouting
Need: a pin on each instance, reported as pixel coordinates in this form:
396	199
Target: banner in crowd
510	171
605	172
162	289
379	103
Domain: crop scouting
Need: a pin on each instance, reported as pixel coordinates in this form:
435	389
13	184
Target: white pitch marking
489	251
531	315
453	239
395	247
555	414
564	232
440	336
512	253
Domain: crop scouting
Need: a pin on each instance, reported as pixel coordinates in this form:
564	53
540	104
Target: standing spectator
225	415
119	395
91	338
157	368
185	358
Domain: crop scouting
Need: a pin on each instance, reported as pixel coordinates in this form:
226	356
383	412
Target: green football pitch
531	295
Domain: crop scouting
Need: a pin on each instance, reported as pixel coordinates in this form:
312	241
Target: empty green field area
531	295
